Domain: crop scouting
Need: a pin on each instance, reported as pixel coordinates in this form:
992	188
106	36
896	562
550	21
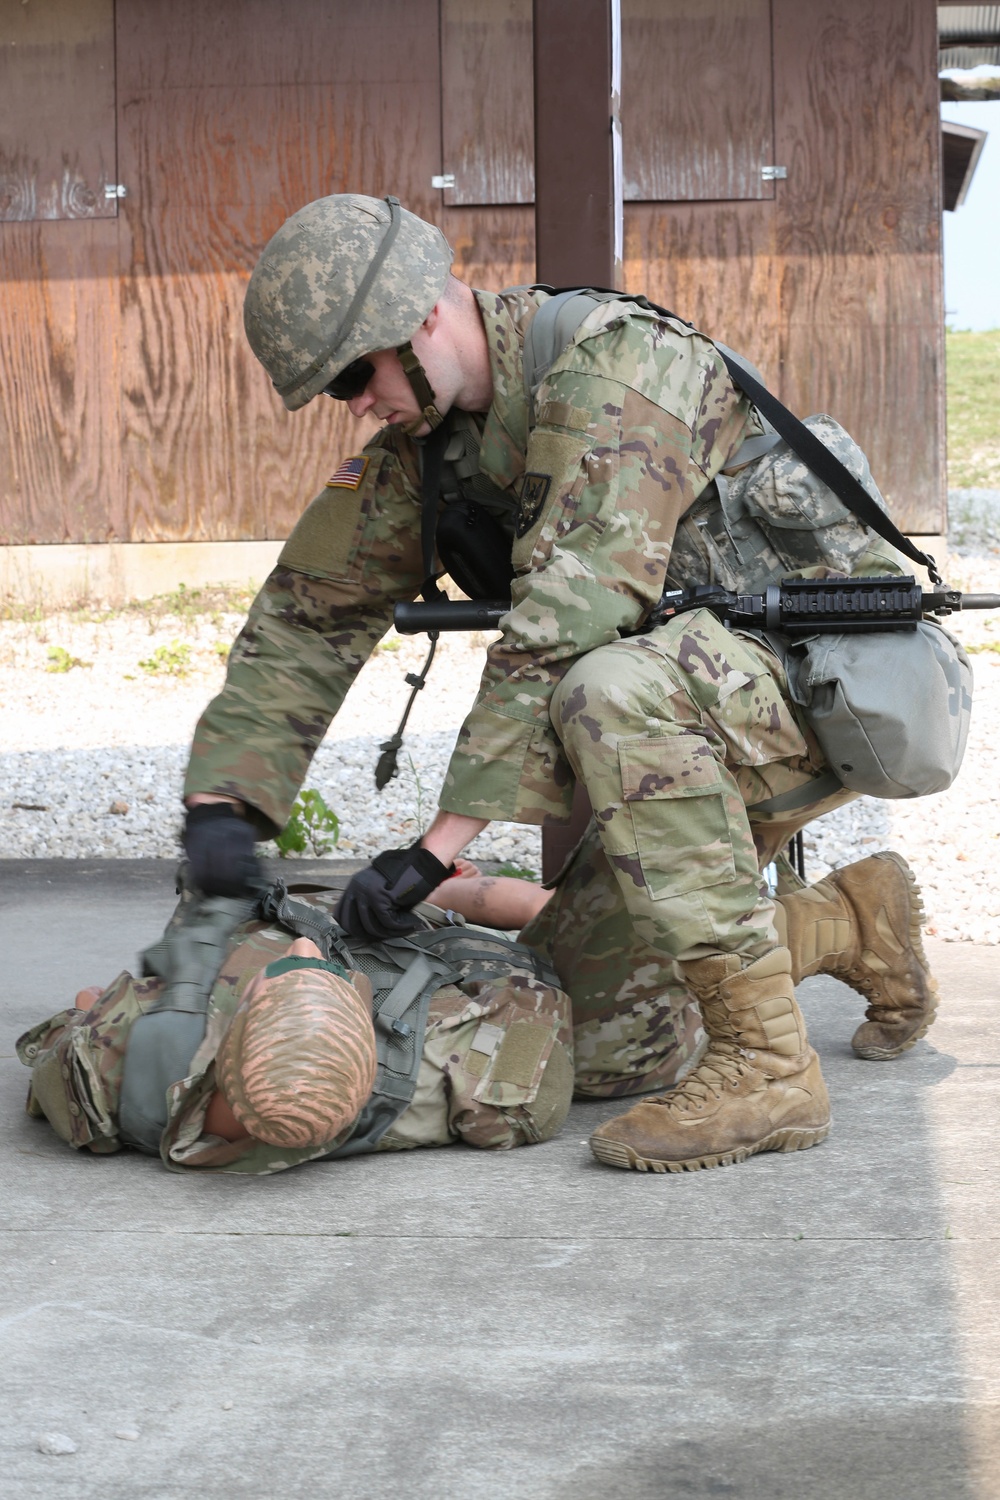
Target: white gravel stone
56	1444
79	746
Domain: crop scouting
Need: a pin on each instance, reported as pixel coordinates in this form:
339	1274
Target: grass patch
168	661
60	660
974	410
189	605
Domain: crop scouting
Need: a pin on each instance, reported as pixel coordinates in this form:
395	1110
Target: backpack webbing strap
431	469
276	905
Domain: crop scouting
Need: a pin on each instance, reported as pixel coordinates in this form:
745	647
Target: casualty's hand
377	902
219	843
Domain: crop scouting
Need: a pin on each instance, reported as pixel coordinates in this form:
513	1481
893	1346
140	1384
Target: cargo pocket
676	797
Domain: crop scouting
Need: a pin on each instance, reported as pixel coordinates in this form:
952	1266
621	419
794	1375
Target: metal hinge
774	174
115	190
443	180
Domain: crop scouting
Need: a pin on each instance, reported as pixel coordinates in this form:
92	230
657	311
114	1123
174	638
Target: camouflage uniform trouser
674	734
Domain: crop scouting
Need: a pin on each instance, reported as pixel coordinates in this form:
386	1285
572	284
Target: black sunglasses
351	381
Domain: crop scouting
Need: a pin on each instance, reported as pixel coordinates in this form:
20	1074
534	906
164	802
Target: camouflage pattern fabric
635	1027
305	283
674	734
633	420
497	1073
774	517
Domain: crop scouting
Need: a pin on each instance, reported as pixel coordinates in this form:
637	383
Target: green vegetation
168	661
188	605
312	825
974	410
60	660
518	872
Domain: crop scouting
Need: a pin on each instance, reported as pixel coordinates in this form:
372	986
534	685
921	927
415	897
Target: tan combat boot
862	925
758	1087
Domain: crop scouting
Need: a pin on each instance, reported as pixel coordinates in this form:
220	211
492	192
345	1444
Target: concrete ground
453	1325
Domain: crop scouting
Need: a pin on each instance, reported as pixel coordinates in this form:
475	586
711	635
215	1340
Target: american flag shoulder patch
349	475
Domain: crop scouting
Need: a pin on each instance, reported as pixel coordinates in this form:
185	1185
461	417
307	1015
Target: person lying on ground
630	1034
290	1068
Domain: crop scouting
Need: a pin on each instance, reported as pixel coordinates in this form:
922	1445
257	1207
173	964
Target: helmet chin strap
422	390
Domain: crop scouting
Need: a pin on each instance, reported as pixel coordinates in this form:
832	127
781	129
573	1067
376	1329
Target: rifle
795	607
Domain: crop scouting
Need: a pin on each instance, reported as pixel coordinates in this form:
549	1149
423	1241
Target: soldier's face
388	395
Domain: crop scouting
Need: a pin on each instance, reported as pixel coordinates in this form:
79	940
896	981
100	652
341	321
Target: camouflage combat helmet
343	277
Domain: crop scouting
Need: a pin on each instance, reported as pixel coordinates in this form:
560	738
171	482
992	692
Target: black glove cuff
410	874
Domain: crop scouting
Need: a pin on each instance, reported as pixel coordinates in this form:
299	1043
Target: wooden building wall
131	408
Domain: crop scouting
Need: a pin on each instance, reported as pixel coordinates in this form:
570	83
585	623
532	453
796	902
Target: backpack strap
824	464
305	920
400	1019
163	1041
553	323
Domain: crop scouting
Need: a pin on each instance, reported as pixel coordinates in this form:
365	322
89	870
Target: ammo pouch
475	550
890	708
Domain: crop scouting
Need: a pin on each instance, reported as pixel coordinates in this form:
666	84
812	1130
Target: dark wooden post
578	193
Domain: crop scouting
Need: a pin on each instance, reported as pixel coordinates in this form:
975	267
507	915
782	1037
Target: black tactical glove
219	844
376	902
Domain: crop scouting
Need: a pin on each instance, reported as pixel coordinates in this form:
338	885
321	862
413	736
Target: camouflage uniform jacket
633	420
496	1069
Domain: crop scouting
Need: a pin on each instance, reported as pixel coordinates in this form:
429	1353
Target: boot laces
723	1064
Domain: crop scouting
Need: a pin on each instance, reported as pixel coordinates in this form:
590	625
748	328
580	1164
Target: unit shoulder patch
350	473
534	488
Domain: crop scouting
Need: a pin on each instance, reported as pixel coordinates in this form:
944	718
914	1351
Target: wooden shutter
57	110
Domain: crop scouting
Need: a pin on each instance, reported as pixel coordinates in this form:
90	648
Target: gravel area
93	755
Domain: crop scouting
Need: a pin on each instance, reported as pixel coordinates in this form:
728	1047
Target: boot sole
617	1154
918	917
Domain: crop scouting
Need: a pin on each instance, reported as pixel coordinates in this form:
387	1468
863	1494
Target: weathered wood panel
487	101
57	109
494	247
696	99
232	117
858	227
60	477
713	264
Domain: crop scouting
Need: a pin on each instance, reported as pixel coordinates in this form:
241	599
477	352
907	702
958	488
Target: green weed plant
311	827
60	660
168	661
973	409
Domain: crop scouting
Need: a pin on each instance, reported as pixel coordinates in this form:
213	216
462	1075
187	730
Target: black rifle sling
816	455
431	470
825	464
